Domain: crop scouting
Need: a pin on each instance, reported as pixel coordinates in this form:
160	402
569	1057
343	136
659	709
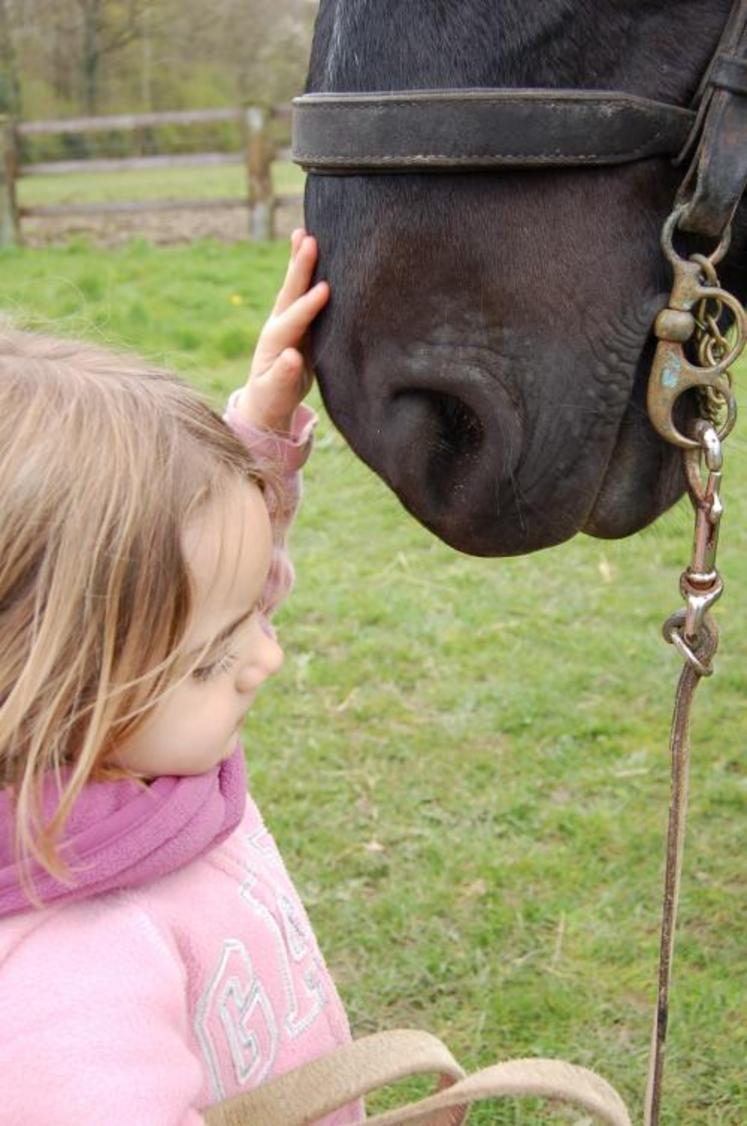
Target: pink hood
120	835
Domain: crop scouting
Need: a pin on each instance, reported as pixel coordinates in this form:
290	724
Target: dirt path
163	228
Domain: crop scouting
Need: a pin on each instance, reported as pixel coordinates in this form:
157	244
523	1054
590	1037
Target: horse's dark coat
488	339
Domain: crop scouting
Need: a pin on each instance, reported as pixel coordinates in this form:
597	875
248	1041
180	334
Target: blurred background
167	66
72	57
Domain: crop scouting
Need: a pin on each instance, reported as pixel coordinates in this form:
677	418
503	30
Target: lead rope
693	318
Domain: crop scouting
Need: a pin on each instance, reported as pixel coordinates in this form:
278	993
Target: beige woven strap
307	1093
540	1078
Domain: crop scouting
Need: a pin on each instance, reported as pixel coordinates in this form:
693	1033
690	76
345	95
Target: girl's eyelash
224	663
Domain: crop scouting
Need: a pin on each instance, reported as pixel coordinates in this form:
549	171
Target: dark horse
487	346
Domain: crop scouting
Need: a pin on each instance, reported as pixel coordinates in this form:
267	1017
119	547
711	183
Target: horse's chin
474	499
456	464
644	478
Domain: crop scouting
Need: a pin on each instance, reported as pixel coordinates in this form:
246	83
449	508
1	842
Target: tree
259	47
108	56
10	85
107	26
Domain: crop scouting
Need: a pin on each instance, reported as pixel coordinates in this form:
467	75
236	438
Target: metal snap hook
695	307
667	238
710	441
673	634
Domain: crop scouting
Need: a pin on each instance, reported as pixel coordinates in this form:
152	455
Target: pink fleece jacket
180	968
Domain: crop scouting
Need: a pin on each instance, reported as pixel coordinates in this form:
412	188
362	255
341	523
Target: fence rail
132	163
258	153
128	121
53	210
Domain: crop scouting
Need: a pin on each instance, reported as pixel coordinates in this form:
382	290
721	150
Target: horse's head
488	340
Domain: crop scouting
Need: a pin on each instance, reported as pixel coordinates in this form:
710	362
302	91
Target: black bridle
472	130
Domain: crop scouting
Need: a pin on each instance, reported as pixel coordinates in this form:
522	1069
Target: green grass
464	760
157	184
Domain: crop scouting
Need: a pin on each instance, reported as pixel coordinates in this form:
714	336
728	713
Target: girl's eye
224	664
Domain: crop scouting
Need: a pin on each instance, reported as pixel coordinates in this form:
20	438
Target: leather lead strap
717	177
679	746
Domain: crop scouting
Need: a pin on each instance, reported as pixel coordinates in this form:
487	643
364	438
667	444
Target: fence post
9	229
259	156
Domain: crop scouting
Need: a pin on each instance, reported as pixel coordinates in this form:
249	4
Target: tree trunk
91	55
10	84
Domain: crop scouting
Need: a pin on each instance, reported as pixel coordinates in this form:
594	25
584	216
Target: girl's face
196	724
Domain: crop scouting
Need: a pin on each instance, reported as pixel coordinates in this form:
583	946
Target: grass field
465	760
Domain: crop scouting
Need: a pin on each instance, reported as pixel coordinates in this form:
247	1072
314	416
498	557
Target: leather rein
699	335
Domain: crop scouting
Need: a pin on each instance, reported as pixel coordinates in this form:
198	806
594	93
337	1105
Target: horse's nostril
442	439
461	426
455	428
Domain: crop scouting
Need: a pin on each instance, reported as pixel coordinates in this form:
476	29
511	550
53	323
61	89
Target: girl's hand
278	378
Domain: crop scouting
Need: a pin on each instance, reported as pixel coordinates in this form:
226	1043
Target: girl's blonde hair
103	462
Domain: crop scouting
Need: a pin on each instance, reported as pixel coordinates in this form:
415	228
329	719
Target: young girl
154	955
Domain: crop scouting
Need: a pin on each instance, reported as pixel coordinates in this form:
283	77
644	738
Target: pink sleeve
94	1024
280	459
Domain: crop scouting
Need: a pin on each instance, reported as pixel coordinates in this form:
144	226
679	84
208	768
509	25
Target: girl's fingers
291	363
287	328
299	273
297	238
271	398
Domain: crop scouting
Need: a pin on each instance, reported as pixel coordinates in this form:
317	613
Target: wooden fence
258	153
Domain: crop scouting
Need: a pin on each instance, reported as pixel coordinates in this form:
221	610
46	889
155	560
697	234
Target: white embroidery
295	933
236	1009
292	944
235	1015
261	841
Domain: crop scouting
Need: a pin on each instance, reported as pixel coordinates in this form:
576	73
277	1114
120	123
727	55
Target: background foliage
65	58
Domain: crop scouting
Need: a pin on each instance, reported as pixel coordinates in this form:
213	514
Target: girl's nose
264	659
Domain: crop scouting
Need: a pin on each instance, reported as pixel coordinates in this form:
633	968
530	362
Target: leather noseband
474	130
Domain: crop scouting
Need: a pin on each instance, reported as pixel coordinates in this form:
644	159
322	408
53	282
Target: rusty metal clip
700	584
672	372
